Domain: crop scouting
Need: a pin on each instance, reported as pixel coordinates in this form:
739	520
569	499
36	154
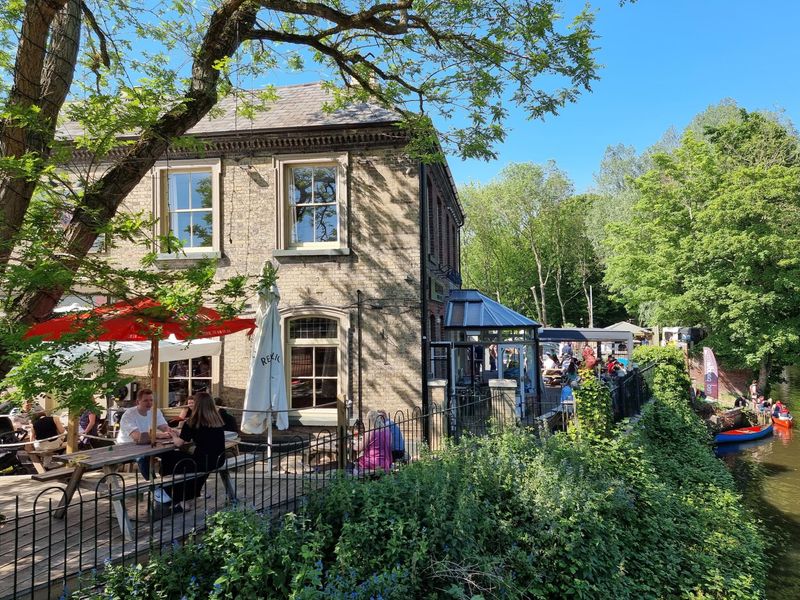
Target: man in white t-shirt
134	427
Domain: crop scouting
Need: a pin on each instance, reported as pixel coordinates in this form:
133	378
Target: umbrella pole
269	441
154	370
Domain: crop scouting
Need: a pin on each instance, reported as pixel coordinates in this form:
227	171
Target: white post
269	440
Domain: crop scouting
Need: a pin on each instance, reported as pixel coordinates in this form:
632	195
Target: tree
525	242
713	241
473	57
614	193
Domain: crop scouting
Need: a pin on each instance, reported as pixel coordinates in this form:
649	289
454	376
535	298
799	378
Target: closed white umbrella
266	387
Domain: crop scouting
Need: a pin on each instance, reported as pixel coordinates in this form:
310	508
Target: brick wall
383	263
732	382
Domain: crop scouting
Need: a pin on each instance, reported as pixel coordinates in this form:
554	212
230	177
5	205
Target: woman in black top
43	429
206	429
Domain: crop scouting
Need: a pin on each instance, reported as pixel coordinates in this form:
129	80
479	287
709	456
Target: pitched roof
469	309
297	106
626	326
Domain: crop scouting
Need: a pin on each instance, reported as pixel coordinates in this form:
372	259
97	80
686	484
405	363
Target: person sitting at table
134	427
549	362
375	447
47	432
186	412
206	429
398	442
23	416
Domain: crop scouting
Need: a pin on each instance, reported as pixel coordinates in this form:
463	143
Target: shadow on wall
384	226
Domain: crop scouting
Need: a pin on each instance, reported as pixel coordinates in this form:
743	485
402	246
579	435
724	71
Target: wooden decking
39	553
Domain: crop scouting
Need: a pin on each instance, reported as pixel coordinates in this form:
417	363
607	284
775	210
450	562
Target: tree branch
366	19
101	36
227	28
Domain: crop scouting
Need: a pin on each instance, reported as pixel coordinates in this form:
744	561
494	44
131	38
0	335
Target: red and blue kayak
743	434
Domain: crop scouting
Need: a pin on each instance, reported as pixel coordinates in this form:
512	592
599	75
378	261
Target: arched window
314	362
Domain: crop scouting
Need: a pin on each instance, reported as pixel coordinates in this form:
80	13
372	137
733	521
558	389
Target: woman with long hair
205	428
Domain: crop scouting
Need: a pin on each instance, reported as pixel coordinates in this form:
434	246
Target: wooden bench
54	474
231	465
39	458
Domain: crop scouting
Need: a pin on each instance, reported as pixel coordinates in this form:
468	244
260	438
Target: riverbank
768	475
590	513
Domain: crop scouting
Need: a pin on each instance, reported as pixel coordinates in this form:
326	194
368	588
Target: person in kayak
779	408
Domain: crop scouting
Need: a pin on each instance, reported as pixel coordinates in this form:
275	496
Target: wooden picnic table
109	459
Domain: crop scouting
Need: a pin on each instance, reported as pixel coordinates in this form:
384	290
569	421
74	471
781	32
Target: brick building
334	200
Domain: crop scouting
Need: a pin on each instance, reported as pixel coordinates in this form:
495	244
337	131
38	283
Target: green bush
671	355
651	514
593	406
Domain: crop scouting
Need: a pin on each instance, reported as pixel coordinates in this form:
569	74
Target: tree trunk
16	189
558	295
228	26
542	285
589	304
72	432
763	374
536	304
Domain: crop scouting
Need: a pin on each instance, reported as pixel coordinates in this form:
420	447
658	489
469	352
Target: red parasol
139	320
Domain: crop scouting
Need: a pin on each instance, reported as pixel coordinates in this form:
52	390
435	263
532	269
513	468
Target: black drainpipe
423	285
360	296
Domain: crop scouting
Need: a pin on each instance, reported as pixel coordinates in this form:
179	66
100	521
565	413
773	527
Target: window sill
311	252
188	256
314	417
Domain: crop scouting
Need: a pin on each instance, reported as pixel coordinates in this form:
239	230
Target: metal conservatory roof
471	310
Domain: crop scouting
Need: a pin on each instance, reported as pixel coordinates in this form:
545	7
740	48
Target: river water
768	472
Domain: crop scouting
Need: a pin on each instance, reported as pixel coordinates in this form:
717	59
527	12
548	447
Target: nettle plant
593	407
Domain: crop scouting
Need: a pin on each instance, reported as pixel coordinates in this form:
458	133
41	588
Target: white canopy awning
137	354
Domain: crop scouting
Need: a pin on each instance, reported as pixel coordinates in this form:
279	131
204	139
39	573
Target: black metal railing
630	392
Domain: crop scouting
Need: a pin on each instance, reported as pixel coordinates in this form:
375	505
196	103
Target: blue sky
664	61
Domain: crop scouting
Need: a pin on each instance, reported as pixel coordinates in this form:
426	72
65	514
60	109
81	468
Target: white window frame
283	164
317	416
163	225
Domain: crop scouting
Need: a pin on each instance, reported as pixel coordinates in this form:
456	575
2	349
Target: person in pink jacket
376	446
